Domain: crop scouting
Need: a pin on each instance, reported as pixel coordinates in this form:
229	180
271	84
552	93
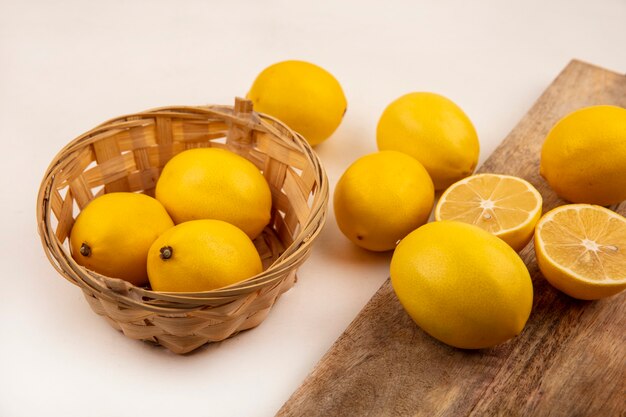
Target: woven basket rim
124	293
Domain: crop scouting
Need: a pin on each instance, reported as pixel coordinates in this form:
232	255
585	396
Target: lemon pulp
581	250
506	206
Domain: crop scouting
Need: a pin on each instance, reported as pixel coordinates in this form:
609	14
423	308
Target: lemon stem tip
85	250
166	252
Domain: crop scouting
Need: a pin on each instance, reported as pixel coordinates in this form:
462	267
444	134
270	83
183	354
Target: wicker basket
127	154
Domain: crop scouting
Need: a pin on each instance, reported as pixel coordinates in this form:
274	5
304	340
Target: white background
66	66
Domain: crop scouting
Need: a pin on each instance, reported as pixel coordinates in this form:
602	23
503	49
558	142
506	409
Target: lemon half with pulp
581	250
505	206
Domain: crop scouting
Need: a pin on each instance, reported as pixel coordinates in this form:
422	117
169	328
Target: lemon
381	198
201	255
435	131
462	285
581	250
212	183
304	96
113	233
505	206
584	156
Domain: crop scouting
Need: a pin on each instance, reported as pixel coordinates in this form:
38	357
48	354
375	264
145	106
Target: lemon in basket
581	250
381	198
113	233
506	206
435	131
461	284
212	183
201	255
584	156
304	96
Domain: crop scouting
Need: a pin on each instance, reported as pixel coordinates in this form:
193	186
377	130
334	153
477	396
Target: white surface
66	66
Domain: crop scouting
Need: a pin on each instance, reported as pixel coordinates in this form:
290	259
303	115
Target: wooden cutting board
570	360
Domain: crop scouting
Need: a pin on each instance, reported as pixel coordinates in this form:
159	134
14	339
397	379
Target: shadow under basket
128	154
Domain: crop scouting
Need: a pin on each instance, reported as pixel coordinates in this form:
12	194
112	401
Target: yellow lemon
381	198
584	156
462	285
505	206
304	96
113	233
201	255
212	183
581	250
435	131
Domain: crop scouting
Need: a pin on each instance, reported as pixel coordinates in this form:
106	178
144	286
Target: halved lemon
581	250
506	206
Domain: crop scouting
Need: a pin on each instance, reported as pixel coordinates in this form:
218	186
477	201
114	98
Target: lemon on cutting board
581	250
505	206
113	233
212	183
583	158
381	198
201	255
435	131
303	95
462	285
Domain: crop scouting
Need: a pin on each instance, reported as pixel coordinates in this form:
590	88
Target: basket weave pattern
127	154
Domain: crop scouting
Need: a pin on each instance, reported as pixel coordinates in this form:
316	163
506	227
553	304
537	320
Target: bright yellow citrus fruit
201	255
462	285
435	131
505	206
113	233
581	250
212	183
584	156
381	198
304	96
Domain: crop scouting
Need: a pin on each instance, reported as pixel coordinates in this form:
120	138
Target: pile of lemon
196	235
460	278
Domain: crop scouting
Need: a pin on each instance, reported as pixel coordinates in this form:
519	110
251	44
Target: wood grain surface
570	360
